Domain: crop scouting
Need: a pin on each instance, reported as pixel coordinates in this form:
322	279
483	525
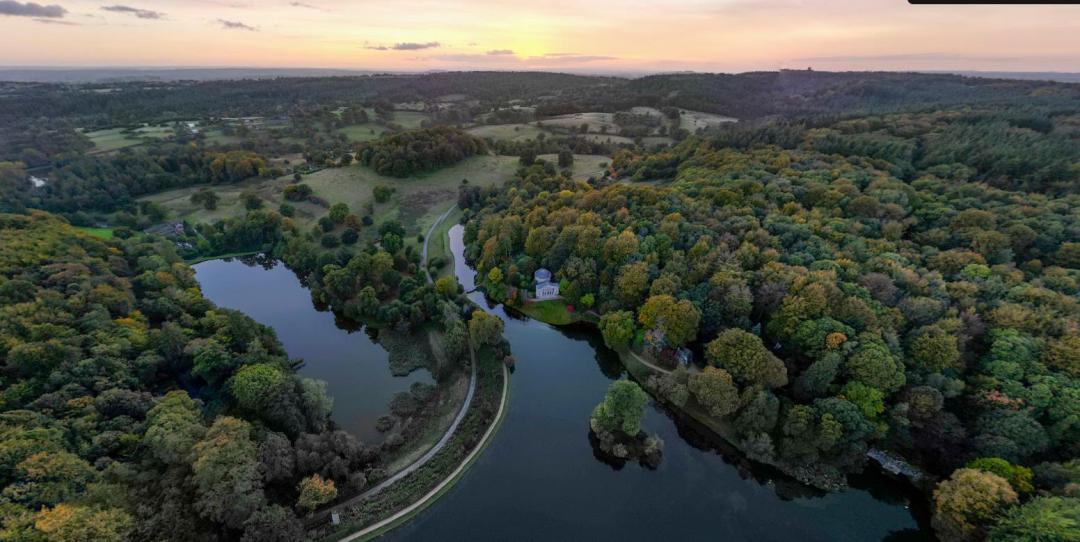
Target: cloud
57	21
237	25
499	52
306	6
31	9
140	13
403	46
412	46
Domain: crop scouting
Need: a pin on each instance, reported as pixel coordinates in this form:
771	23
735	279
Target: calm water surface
540	480
353	365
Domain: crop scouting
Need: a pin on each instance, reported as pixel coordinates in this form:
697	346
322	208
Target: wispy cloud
499	52
413	46
57	21
31	9
138	12
307	6
403	46
237	25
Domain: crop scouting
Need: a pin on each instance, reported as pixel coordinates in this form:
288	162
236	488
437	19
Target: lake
540	478
353	365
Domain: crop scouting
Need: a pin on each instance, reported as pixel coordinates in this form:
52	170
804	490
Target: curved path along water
541	479
412	467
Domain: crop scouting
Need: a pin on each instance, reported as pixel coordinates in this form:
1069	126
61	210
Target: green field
359	133
416	203
119	138
507	132
696	120
216	137
551	311
103	233
410	119
596	122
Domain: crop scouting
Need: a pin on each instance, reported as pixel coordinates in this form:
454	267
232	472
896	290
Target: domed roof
542	275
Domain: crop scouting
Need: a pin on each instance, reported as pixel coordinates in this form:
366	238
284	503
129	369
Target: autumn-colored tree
744	356
446	286
485	328
714	389
935	350
677	319
969	502
78	523
1018	476
315	492
631	283
617	328
225	473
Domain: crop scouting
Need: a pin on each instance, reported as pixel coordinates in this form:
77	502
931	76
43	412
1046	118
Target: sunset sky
598	35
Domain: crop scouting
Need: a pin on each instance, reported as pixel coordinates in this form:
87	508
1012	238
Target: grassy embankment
477	421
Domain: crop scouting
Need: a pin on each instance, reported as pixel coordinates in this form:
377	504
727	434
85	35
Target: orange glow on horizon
604	35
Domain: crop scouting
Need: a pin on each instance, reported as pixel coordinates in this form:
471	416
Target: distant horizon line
40	67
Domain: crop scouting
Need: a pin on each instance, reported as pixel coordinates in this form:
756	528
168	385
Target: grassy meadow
114	139
416	202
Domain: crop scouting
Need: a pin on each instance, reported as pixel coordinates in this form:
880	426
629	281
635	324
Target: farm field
507	132
359	133
648	141
596	122
216	136
113	139
410	119
693	121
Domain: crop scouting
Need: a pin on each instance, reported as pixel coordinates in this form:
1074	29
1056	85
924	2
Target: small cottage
545	288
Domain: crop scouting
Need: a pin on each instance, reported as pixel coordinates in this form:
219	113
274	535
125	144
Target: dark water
540	479
352	364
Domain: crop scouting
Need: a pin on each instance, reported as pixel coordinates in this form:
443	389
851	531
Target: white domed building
545	287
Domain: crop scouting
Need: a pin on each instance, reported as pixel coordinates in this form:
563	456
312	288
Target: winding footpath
412	467
430	496
427	237
648	363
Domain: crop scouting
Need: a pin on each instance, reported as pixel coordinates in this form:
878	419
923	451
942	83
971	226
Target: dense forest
111	183
904	281
419	151
865	261
135	409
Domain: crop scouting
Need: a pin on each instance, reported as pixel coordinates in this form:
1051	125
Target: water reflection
353	364
541	479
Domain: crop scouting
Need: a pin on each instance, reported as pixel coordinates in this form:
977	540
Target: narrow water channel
540	479
354	366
